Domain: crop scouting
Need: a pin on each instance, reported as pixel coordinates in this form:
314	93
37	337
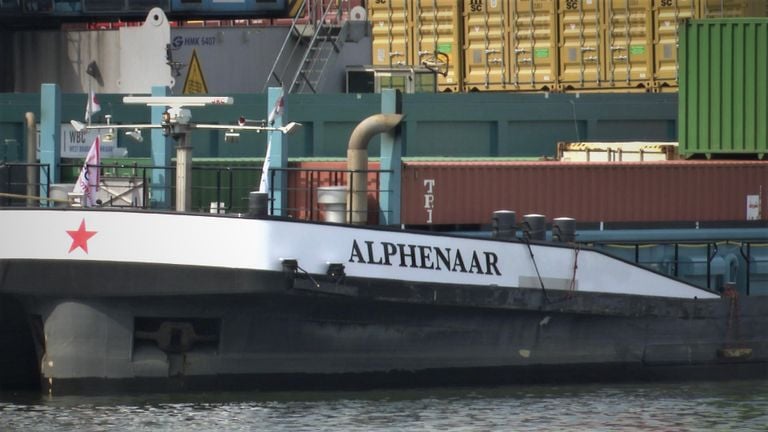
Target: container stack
529	45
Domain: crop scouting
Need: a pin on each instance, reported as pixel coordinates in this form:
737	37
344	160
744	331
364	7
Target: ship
108	299
105	299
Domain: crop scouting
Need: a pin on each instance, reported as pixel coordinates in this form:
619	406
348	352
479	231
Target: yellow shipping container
580	39
485	53
732	8
668	15
628	44
533	45
437	30
391	33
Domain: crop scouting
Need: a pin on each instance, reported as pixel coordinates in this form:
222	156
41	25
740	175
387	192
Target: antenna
178	101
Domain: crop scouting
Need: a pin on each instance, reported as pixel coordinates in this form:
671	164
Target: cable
535	266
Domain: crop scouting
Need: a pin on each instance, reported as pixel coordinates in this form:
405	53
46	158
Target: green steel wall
446	125
723	88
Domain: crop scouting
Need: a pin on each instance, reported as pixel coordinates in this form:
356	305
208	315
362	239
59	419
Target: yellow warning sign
195	82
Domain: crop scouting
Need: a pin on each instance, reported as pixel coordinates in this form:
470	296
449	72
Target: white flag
264	184
88	181
276	112
92	107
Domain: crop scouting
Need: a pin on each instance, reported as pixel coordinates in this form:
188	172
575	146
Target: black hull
450	377
117	327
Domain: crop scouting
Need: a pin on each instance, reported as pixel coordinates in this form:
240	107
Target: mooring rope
536	267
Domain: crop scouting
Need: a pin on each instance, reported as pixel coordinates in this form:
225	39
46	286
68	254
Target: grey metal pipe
32	171
357	162
183	173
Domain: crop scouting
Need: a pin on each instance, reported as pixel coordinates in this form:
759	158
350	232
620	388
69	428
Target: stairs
313	43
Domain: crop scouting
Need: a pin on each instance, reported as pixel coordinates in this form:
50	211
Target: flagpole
88	104
277	157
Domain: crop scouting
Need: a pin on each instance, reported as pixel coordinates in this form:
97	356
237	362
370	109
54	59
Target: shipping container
667	18
485	51
633	151
732	8
533	45
391	32
510	46
466	193
437	34
628	44
580	36
723	102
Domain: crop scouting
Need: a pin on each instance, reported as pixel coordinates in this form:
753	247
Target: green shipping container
723	101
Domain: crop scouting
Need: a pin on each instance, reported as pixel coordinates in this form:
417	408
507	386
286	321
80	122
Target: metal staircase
313	43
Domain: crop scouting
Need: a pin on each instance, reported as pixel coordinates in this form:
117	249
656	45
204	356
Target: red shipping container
441	193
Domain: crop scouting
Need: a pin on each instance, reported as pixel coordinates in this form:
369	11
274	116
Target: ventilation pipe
357	162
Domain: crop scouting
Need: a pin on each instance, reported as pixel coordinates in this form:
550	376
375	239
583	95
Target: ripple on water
670	407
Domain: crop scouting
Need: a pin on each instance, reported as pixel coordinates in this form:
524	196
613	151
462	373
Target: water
722	406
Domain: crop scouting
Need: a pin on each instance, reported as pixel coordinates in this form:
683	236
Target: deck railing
214	189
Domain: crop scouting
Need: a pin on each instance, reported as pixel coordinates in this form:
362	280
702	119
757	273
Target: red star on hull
80	237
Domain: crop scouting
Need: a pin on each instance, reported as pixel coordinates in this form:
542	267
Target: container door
391	33
668	15
485	45
437	33
580	30
628	44
533	45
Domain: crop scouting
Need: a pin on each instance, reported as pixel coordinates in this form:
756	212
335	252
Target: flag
92	107
277	111
264	184
88	181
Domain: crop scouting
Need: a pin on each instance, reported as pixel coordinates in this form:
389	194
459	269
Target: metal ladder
314	41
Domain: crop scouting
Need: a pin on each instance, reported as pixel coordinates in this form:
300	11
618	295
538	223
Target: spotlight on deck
78	126
290	128
136	135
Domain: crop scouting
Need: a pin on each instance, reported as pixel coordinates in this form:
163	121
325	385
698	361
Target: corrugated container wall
732	8
533	45
391	31
456	193
723	103
510	46
580	42
606	45
628	45
667	18
485	51
544	45
437	34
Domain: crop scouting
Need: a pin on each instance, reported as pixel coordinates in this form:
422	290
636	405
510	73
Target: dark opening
19	359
